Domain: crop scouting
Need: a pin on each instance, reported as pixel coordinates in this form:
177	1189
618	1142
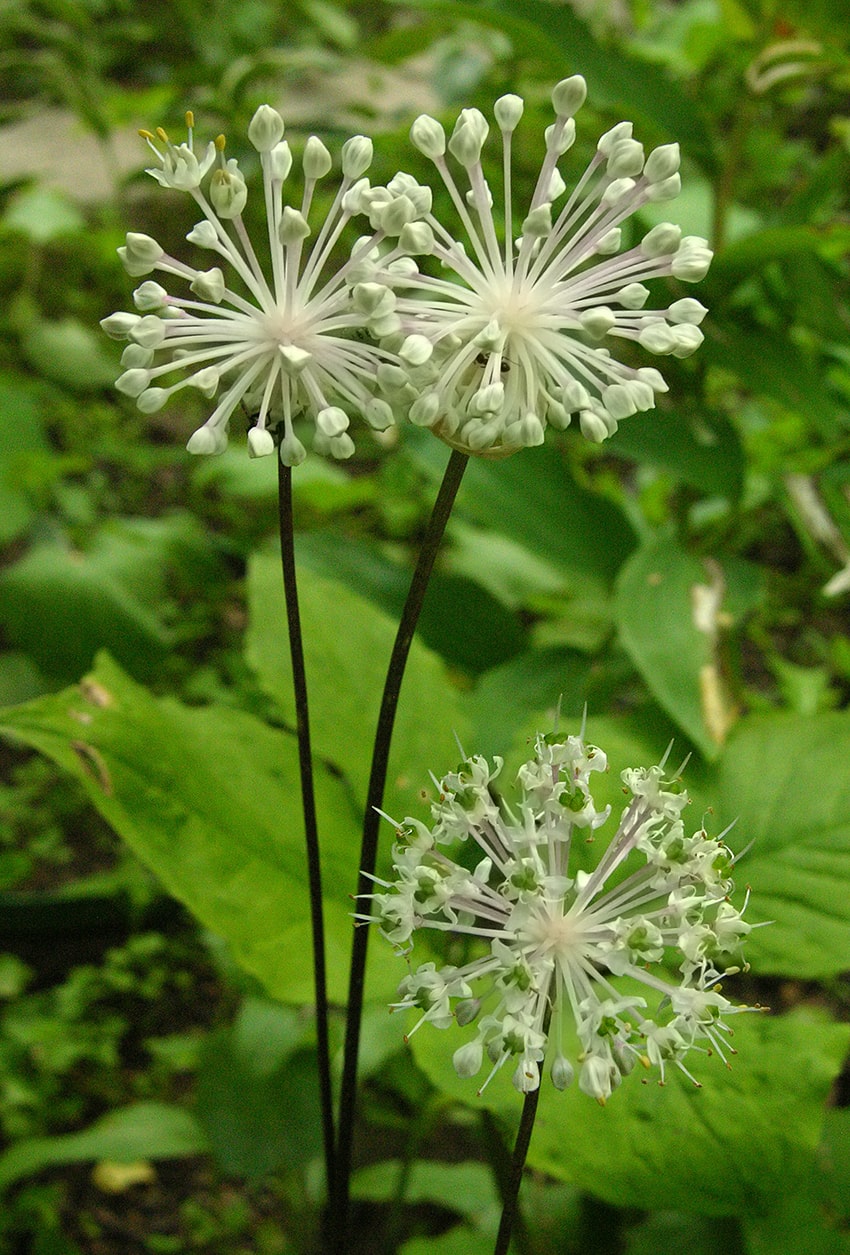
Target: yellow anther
220	142
147	134
190	119
162	135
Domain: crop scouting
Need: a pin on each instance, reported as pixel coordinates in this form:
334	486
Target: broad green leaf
23	450
744	1138
209	800
347	643
143	1131
43	214
784	779
467	1188
798	1224
69	353
536	680
701	450
257	1092
657	612
462	1240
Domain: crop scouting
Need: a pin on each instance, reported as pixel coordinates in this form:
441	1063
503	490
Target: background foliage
689	579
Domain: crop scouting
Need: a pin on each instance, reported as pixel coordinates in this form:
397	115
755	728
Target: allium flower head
551	938
278	338
518	334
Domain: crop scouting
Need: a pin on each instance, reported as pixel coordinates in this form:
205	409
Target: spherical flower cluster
281	339
517	335
552	938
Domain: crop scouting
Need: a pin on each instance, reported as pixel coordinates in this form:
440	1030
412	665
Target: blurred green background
149	1085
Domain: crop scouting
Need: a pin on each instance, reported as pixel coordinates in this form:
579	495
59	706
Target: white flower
552	938
518	335
280	339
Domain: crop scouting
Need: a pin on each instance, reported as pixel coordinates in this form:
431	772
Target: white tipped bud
353	200
538	224
428	136
662	162
293	228
332	421
420	194
661	240
618	401
575	396
391	378
133	382
356	156
228	191
142	248
207	380
556	187
153	399
623	130
560	136
468	137
341	446
206	441
617	190
531	431
150	297
203	234
118	326
393	217
416	350
687	310
292	451
260	442
656	381
468	1058
625	159
136	357
594	428
598	322
557	416
642	395
667	189
563	1072
609	242
687	339
209	285
489	400
294	359
633	296
317	160
569	95
280	161
508	111
149	332
692	261
373	299
657	337
416	238
378	414
425	410
265	128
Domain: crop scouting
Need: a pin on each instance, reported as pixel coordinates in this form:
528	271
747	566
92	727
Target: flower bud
687	339
618	401
561	136
206	441
292	451
416	350
342	446
294	359
468	1059
563	1072
356	156
653	377
594	427
280	161
662	162
667	189
133	382
149	332
617	190
260	442
203	234
468	137
598	321
207	380
625	159
332	421
538	224
657	337
317	160
692	261
569	95
687	310
661	240
209	285
293	228
428	136
416	238
508	111
609	242
378	414
135	356
153	399
425	410
633	296
149	297
118	326
391	218
228	191
265	128
623	130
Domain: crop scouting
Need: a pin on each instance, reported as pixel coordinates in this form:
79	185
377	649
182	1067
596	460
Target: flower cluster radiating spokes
552	938
515	335
280	339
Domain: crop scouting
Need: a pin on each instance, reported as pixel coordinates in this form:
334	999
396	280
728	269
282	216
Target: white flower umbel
552	938
280	339
518	334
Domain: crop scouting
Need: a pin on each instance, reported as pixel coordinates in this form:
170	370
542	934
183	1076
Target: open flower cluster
552	938
279	338
512	335
515	335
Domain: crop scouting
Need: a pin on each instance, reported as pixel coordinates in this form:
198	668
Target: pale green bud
617	190
207	380
292	451
609	242
402	184
353	201
373	299
153	399
260	442
560	137
149	332
663	239
342	446
468	1059
206	441
657	337
625	159
332	421
356	156
575	396
416	350
416	238
633	296
618	401
149	297
378	414
667	189
203	234
133	382
280	161
508	111
569	95
656	381
425	410
209	285
662	162
294	359
693	259
395	215
563	1072
317	160
597	322
594	427
118	326
135	357
538	224
531	431
294	227
468	137
265	128
687	310
228	191
428	136
623	130
687	339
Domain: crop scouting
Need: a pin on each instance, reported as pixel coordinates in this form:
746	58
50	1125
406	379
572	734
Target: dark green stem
308	804
510	1199
371	823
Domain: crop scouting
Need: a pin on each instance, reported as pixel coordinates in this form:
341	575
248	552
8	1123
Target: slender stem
308	803
510	1203
371	823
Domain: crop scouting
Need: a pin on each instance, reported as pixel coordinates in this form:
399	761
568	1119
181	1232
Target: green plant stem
308	804
510	1201
371	823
